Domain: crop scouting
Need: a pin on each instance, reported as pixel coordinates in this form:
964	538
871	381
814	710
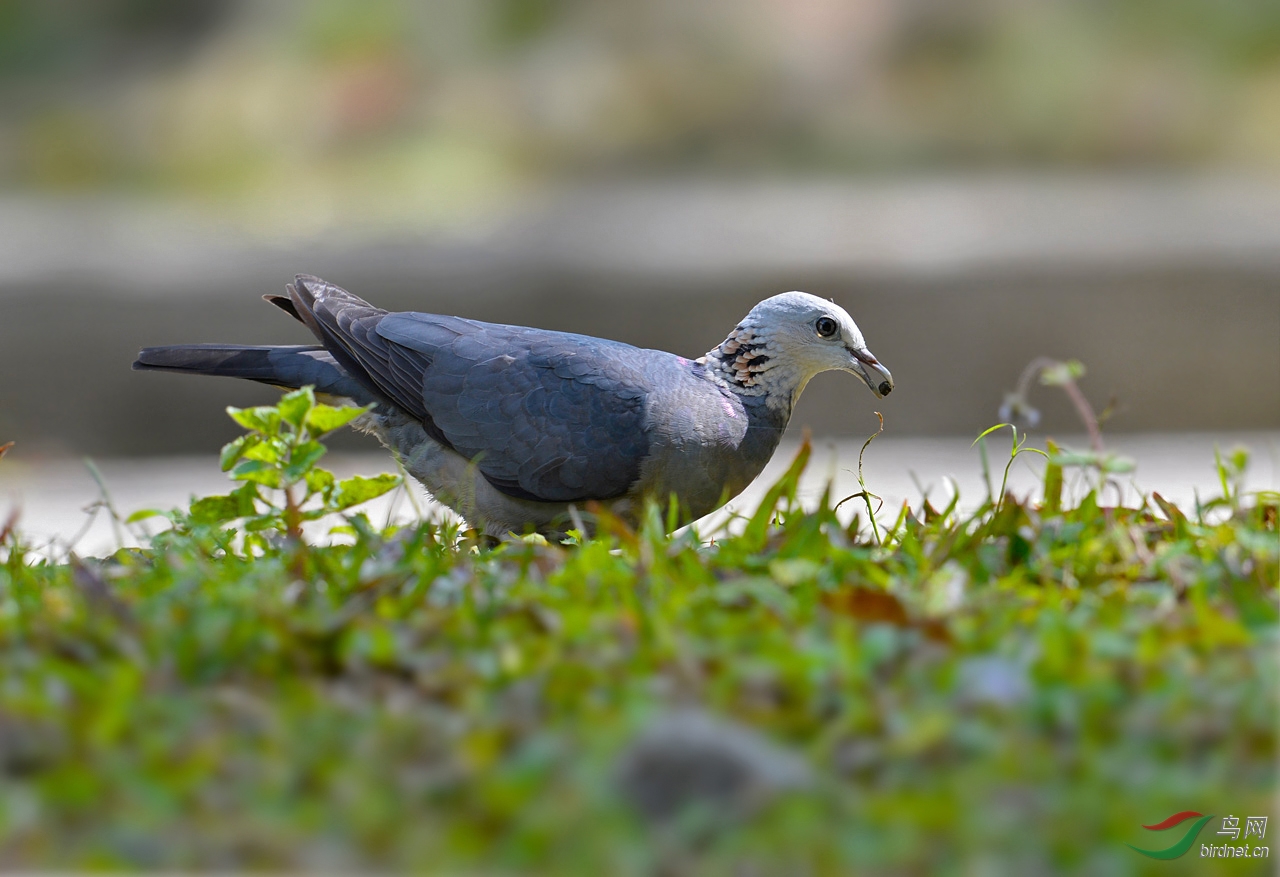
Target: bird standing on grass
513	427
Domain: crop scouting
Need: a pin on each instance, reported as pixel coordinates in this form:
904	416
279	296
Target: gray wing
546	416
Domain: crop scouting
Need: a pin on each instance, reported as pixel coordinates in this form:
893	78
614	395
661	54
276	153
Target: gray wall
1168	290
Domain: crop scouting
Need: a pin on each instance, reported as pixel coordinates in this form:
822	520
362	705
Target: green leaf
323	418
758	526
266	451
254	542
1171	511
986	432
1239	460
1115	464
221	509
320	481
1052	479
1061	373
303	458
214	509
258	472
295	406
1075	458
232	451
143	514
358	489
263	419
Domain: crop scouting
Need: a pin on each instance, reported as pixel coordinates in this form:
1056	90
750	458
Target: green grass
1014	690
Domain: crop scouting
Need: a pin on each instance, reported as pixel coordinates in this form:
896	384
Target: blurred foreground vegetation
1014	690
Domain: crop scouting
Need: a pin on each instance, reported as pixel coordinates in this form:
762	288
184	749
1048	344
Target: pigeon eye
826	327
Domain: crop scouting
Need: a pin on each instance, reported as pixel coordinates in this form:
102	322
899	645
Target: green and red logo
1182	845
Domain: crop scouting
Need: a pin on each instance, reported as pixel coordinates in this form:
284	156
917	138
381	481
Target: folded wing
546	416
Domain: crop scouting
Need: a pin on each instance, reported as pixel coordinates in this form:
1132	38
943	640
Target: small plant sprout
1231	469
1064	374
865	494
1019	447
283	487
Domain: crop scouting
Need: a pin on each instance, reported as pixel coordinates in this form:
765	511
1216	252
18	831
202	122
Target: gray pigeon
513	427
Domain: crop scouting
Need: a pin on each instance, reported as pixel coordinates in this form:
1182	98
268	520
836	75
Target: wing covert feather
546	415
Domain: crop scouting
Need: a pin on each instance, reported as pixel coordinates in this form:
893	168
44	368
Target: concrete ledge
52	496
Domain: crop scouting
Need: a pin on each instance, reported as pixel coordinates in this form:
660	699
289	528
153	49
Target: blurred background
979	182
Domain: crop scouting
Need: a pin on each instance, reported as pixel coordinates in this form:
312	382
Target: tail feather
331	367
287	367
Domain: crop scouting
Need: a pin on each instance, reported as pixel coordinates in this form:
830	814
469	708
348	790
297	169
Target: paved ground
51	496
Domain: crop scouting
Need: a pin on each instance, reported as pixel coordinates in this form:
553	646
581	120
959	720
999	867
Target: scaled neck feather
747	363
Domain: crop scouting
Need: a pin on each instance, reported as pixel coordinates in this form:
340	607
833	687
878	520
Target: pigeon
522	430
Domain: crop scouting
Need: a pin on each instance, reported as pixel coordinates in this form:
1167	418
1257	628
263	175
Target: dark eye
826	327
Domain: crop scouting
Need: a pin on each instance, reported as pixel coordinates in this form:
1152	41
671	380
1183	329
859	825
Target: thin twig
1041	364
863	484
1085	410
105	502
10	524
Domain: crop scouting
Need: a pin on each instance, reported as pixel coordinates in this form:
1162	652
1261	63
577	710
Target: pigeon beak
875	375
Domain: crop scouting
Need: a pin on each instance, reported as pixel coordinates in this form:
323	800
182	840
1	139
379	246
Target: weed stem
1039	366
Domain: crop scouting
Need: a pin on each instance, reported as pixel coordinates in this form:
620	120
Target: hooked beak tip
875	375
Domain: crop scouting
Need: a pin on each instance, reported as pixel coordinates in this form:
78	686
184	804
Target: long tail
289	367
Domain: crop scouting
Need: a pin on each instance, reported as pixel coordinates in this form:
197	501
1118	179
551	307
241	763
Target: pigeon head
785	341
